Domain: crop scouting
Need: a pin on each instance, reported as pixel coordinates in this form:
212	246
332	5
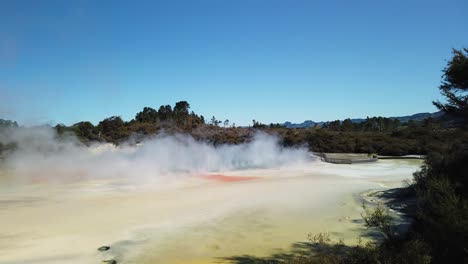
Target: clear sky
273	61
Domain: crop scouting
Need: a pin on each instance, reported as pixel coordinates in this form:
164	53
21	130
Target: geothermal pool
202	218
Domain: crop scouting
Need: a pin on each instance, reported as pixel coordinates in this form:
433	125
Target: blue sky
273	61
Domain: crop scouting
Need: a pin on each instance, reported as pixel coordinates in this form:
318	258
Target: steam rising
42	155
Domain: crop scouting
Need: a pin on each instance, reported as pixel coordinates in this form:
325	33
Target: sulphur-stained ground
194	219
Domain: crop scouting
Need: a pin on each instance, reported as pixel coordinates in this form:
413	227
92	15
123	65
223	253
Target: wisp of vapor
41	154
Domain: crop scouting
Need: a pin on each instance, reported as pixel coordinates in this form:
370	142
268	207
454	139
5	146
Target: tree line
379	135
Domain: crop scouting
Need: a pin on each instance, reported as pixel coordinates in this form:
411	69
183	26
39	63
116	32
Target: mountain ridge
414	117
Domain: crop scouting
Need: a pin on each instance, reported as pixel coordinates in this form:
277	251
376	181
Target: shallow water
192	220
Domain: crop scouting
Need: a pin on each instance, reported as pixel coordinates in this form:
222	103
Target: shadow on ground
401	200
299	252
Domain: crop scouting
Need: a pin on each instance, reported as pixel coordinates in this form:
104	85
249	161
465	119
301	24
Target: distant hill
418	117
415	117
307	123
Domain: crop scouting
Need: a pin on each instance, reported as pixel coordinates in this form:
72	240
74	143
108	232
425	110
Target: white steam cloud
42	155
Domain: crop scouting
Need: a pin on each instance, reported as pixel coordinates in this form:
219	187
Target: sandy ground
198	219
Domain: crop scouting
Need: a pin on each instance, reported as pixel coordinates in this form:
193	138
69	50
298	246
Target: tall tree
85	130
181	108
181	113
147	115
111	128
214	121
454	85
165	112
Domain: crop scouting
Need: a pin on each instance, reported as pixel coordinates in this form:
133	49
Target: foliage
454	86
379	219
443	205
373	124
111	129
165	112
256	124
366	137
148	114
